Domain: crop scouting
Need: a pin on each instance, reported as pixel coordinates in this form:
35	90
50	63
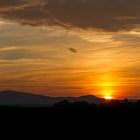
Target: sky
70	47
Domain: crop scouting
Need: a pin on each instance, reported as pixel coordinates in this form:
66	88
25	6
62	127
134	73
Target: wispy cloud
6	5
108	15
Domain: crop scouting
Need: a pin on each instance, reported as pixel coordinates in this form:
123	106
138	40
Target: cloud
6	5
107	15
73	50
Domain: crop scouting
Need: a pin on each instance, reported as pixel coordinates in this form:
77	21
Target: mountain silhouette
14	98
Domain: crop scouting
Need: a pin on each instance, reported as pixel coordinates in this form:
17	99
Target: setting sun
107	97
108	93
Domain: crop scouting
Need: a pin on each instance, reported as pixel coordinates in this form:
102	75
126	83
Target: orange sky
58	51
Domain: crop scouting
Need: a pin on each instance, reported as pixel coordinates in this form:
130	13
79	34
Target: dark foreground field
74	120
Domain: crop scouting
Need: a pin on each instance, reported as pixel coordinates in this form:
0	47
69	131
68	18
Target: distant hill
14	98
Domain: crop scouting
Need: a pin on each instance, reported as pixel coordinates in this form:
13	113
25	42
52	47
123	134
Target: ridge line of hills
15	98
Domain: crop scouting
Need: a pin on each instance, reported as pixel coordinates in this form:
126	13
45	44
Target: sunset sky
71	47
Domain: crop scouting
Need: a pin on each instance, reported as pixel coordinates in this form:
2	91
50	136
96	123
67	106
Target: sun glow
107	87
107	94
108	97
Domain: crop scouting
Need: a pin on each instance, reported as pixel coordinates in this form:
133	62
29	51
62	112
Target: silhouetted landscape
85	116
15	99
21	99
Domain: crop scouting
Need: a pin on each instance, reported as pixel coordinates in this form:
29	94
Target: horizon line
39	94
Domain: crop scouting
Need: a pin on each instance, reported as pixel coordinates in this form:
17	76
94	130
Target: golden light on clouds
2	22
35	52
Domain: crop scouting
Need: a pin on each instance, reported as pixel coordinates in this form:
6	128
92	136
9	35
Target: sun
107	94
108	97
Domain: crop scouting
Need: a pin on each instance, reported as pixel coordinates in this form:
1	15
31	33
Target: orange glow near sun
107	94
108	87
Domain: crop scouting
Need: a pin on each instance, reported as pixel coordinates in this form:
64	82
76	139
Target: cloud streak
107	15
6	5
73	50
